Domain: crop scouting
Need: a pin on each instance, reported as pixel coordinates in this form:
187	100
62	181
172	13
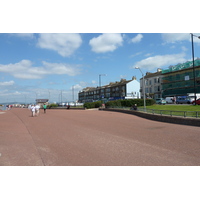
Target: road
94	138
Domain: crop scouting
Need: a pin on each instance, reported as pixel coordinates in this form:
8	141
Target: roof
42	100
149	75
111	84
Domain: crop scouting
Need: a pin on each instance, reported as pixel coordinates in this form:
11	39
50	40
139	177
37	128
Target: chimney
159	70
134	78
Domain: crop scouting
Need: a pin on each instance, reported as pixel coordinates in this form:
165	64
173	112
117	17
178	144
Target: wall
168	119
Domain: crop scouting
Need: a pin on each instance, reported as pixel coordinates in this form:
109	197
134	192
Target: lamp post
143	88
100	84
192	35
73	93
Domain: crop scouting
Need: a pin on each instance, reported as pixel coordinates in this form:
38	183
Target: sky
53	65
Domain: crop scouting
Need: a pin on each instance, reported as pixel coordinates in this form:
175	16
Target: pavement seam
31	137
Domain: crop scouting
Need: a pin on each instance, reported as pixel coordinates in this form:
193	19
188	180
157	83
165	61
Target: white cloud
61	68
184	48
7	83
23	35
137	38
106	42
76	87
94	82
25	70
160	61
177	37
64	43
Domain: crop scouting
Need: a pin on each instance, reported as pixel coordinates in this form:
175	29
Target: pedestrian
33	110
29	107
37	110
135	107
45	107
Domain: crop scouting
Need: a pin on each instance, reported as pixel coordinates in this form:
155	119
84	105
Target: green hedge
120	103
52	105
129	102
95	104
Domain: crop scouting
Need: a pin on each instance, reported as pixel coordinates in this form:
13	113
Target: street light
73	93
192	35
143	88
100	83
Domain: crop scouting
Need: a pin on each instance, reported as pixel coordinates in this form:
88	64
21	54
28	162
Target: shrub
129	102
95	104
53	105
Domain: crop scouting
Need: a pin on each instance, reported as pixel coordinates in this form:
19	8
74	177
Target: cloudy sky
47	47
49	65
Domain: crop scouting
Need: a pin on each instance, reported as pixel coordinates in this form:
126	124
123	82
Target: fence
193	114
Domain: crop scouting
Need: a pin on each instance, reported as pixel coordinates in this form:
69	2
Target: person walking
33	110
37	110
45	107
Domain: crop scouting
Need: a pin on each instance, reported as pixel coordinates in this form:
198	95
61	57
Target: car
161	101
183	100
197	102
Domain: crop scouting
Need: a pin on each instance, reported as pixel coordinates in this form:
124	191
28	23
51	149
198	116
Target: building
41	102
152	83
178	80
123	89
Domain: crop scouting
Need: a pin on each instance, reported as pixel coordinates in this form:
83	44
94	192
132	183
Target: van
169	99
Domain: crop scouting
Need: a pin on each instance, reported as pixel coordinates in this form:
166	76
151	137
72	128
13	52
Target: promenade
94	138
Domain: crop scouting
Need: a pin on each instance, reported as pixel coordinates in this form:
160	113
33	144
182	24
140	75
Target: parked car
161	101
197	102
183	100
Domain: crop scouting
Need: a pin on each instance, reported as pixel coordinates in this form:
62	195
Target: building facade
152	85
180	80
123	89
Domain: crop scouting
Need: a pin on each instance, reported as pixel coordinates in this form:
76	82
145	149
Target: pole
73	92
143	88
61	98
144	94
193	68
100	84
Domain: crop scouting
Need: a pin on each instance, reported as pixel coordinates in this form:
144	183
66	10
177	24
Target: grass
174	110
174	107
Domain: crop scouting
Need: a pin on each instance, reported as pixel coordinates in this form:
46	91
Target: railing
193	114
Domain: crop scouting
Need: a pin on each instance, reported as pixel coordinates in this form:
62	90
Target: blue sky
48	64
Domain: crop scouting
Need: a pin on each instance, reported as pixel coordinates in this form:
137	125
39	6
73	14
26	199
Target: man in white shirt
37	110
33	110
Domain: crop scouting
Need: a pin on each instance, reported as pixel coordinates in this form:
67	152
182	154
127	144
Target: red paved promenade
92	137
